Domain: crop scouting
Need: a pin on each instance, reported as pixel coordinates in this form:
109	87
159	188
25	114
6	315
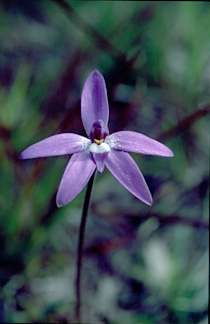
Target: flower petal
55	145
137	143
99	159
123	167
94	102
77	173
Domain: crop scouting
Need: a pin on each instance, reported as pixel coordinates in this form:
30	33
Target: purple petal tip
169	153
96	72
96	75
172	154
59	205
149	202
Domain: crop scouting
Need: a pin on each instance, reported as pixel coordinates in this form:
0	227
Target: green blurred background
145	265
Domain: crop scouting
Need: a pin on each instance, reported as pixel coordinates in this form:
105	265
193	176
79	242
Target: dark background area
142	265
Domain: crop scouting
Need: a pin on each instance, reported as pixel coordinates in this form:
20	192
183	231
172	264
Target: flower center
98	141
101	148
98	132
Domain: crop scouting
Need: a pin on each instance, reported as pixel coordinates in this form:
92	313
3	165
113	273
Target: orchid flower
99	149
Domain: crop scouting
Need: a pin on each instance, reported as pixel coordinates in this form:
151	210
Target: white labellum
101	148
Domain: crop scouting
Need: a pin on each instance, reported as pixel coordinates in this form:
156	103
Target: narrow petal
125	170
77	173
55	145
99	159
94	102
137	143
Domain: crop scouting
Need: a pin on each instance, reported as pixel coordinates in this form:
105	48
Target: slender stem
80	247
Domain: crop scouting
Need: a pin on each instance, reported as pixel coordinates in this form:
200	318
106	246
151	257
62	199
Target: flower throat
98	132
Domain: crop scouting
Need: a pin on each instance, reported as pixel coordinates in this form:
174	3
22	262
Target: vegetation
142	265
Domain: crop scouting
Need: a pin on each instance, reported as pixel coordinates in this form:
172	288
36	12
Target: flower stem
80	247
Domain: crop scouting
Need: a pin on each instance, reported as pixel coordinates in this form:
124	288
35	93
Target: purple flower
99	149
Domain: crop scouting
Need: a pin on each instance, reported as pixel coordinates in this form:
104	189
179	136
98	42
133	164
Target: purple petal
94	102
55	145
99	159
77	173
137	143
123	167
